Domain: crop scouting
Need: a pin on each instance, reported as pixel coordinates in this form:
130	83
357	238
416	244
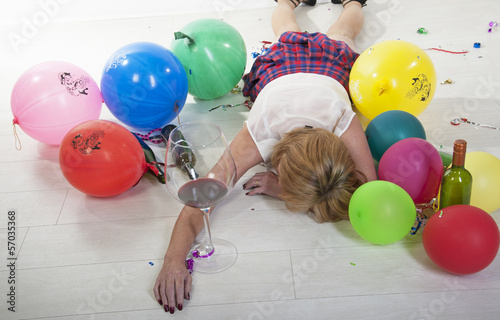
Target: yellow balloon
485	170
392	75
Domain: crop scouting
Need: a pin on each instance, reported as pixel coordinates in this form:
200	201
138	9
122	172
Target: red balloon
414	165
461	239
101	158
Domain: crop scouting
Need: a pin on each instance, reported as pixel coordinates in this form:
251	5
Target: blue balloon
144	85
390	127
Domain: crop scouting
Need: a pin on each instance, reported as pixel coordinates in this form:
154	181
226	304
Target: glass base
223	257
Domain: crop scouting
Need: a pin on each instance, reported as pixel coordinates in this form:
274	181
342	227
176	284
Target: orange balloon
101	158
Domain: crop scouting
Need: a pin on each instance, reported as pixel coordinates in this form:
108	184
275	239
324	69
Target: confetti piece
422	31
492	24
151	264
247	103
189	265
458	121
236	89
421	218
477	45
262	50
196	254
447	51
447	81
352	263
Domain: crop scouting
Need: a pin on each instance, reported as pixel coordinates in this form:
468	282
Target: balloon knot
16	137
181	35
152	167
382	87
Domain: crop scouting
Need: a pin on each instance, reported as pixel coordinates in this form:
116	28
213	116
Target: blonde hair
316	173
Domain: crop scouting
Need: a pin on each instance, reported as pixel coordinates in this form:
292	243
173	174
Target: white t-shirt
295	101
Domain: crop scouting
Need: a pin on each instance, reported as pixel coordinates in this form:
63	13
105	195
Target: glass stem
206	220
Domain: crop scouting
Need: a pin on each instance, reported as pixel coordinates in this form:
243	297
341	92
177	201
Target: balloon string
151	166
147	137
453	52
178	111
16	136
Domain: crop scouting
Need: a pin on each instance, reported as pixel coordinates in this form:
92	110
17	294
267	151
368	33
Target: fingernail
179	306
172	310
189	296
244	186
247	193
166	308
159	301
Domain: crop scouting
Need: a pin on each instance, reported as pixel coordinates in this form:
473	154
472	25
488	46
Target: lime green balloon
213	54
381	212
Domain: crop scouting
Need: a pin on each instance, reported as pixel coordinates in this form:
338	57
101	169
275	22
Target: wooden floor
80	257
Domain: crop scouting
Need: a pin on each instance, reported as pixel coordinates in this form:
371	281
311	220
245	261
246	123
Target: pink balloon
414	165
51	98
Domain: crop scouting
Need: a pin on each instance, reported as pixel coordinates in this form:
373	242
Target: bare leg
348	24
283	18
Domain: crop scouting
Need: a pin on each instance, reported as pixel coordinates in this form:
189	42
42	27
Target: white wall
14	12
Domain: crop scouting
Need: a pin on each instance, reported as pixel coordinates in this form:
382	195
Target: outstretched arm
173	284
355	140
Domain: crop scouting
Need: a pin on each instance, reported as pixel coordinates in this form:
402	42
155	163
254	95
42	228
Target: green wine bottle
184	157
456	185
151	159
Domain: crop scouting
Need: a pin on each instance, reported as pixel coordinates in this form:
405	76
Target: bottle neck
191	172
458	163
458	159
459	150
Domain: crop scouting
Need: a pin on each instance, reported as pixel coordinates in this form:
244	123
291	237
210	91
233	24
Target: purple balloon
414	165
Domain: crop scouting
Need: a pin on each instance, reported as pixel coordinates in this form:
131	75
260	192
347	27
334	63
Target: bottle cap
459	149
460	145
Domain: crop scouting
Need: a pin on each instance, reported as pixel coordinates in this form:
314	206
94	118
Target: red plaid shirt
300	52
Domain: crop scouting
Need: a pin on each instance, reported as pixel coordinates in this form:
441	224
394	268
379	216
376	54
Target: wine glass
200	172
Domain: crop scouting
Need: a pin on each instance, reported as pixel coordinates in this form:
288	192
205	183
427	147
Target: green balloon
447	158
381	212
213	54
